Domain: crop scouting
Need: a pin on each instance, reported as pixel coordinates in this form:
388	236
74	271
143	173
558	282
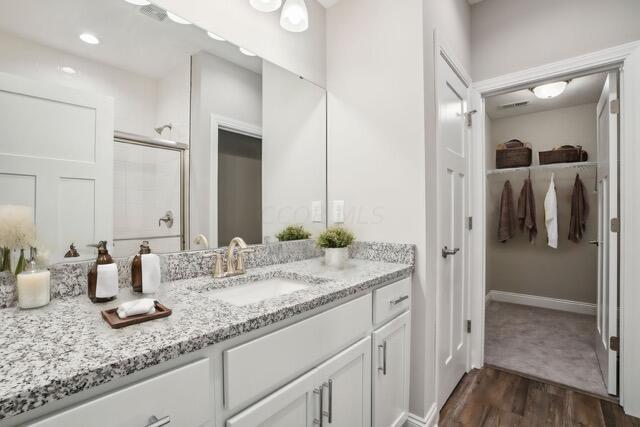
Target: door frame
216	124
603	60
442	51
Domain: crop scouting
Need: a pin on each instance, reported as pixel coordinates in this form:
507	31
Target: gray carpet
548	344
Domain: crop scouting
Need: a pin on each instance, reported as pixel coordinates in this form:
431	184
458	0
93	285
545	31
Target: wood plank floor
491	397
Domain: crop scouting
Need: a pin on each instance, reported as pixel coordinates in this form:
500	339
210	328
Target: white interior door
452	208
56	156
607	311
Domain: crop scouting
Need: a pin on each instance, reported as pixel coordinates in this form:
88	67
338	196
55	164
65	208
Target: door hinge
615	225
468	326
469	117
614	343
470	223
615	106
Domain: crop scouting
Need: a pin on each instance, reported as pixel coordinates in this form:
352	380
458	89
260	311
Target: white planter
336	257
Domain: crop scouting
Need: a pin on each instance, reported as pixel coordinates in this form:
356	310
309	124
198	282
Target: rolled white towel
140	306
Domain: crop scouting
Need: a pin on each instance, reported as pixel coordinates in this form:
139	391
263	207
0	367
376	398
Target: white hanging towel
150	273
551	214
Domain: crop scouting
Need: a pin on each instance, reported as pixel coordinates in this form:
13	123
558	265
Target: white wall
293	151
174	99
512	35
222	88
381	138
301	53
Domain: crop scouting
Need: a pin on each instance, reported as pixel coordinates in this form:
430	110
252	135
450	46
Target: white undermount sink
259	290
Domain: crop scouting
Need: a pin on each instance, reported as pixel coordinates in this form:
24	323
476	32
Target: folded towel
527	210
133	308
107	282
507	220
150	273
579	211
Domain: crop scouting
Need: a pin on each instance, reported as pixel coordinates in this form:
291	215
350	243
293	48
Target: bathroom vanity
332	351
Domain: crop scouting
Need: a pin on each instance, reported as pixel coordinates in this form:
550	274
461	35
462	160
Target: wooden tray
111	316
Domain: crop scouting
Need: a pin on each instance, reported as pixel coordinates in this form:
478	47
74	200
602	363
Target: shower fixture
163	127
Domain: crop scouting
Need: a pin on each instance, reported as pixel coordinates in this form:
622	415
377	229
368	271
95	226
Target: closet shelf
554	166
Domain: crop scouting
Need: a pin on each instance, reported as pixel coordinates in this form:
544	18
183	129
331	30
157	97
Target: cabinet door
391	372
346	387
294	405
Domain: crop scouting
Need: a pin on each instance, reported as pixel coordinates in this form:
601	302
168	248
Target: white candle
33	289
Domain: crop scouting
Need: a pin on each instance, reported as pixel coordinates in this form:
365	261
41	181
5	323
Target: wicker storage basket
564	154
513	157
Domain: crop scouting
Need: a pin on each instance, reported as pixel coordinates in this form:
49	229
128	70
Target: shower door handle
446	251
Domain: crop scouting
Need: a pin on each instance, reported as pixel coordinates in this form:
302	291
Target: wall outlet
338	211
316	211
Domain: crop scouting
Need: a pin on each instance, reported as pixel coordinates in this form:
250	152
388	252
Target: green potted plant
293	232
335	241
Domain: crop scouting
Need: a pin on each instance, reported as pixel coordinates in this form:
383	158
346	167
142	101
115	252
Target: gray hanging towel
507	220
527	210
579	211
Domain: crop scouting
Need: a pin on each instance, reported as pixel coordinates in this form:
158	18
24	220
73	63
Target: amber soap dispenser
136	267
103	276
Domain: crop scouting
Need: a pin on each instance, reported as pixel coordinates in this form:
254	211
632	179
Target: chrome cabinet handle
319	391
157	422
329	413
383	347
446	251
398	300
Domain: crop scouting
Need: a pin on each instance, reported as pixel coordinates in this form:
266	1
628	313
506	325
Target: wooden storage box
513	157
563	155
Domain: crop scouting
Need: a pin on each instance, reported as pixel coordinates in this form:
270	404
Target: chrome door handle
329	413
157	422
398	300
320	392
594	242
446	251
383	347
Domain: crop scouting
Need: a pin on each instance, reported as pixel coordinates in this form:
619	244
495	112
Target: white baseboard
431	420
543	302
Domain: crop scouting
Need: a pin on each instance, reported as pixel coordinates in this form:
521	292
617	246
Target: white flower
17	230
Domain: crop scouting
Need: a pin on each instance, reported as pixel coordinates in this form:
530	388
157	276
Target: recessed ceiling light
138	2
549	90
215	36
246	52
266	5
294	17
67	70
89	38
175	18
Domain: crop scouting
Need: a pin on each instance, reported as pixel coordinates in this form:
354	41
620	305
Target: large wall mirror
120	121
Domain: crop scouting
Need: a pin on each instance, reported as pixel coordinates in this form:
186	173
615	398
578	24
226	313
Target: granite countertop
49	353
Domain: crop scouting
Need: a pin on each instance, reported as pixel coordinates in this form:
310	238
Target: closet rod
553	166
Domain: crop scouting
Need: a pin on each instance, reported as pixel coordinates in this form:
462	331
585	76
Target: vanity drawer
184	396
391	300
266	363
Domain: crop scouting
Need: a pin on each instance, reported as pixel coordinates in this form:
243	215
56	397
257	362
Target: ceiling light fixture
178	20
89	38
215	36
266	5
294	17
139	2
549	90
246	52
68	70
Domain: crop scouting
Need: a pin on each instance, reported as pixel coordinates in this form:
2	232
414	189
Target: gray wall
512	35
569	272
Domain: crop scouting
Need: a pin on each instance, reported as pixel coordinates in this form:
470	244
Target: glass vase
22	263
6	259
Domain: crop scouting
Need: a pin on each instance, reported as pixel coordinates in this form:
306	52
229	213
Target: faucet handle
240	259
217	264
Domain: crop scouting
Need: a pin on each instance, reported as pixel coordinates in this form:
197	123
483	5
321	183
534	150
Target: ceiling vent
154	12
513	105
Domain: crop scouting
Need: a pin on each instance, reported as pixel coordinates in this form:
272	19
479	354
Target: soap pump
103	276
136	267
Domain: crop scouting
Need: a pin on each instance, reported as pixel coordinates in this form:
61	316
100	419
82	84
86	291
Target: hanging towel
527	210
579	211
507	221
551	214
150	273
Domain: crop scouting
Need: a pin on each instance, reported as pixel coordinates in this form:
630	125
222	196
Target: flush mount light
175	18
549	90
138	2
89	38
294	17
67	70
266	5
215	36
246	52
